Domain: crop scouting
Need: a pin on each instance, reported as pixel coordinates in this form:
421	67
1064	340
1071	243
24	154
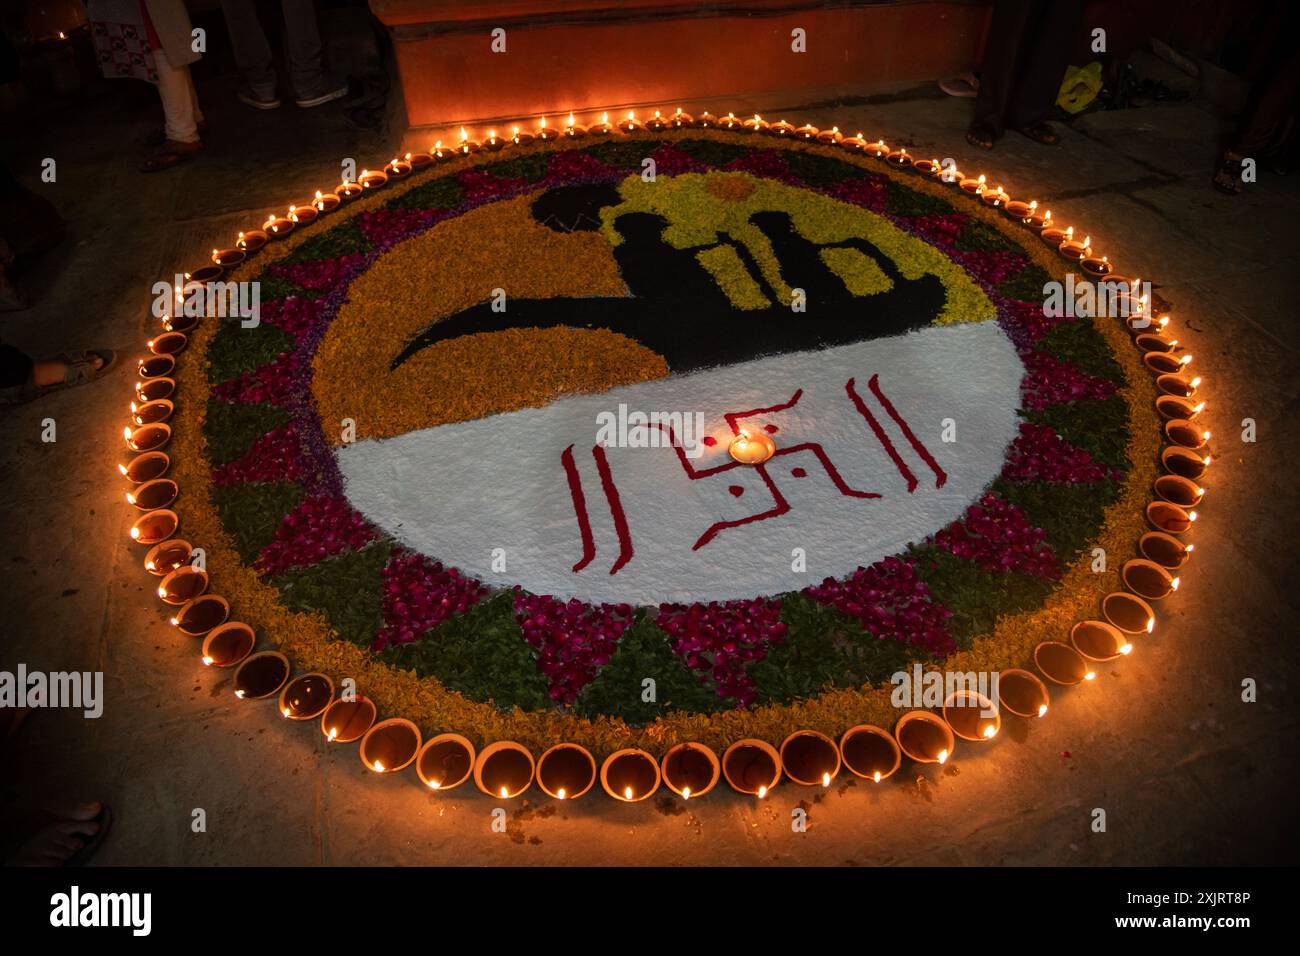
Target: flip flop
172	154
964	85
79	371
105	820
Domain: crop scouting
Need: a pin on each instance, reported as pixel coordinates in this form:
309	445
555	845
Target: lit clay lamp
1055	235
169	343
398	168
260	675
306	697
465	146
195	618
995	197
1179	385
228	257
630	775
1096	267
1128	613
546	132
1181	409
566	771
154	389
680	120
252	240
780	128
1169	518
419	161
152	495
166	557
1148	580
752	766
833	137
494	143
326	202
303	214
227	645
810	758
520	136
973	186
1062	664
390	745
756	124
732	123
348	190
690	770
602	128
972	716
1178	490
442	154
145	467
870	752
924	737
1099	641
154	527
180	323
752	449
1184	462
504	769
1021	693
1165	550
573	130
445	761
854	144
373	179
1165	363
898	158
147	437
151	412
1183	433
183	585
277	227
630	124
878	149
1075	249
656	123
927	167
705	120
346	720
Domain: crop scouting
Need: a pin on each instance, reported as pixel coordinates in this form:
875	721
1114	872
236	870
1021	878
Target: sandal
1227	178
980	135
80	369
1040	133
171	154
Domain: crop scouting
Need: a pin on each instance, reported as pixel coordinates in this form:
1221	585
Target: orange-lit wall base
564	55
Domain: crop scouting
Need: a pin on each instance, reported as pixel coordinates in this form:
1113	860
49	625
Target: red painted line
731	417
920	449
782	506
615	509
881	437
840	483
579	509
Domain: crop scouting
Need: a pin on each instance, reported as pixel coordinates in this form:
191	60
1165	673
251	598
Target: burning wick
686	793
876	776
943	755
334	732
1126	649
207	661
379	766
434	784
627	793
239	694
1042	709
990	731
559	794
762	792
505	792
1091	675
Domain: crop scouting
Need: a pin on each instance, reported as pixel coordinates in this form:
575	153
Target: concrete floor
1186	772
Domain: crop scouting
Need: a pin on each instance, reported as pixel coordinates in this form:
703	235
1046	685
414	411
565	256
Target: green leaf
1026	285
1082	344
346	588
481	654
252	513
644	651
909	202
622	154
442	193
231	429
341	239
1098	426
235	350
709	151
1069	514
977	598
821	171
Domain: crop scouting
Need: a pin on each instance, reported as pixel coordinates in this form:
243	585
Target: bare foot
58	843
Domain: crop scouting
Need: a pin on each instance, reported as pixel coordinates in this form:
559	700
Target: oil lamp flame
826	779
943	755
505	792
434	784
762	792
1091	675
686	793
990	731
560	793
876	776
207	661
1126	649
627	793
1042	709
379	766
1151	621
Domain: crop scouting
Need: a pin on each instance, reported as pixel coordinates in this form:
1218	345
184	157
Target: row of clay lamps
750	766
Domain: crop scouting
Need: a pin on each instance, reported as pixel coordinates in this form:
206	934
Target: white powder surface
476	493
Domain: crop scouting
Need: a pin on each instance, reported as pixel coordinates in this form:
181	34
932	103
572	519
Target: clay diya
155	526
972	716
169	343
1099	641
445	761
195	618
1172	407
1021	693
372	179
147	437
183	585
145	466
751	766
328	202
151	412
227	645
1148	580
1168	518
870	752
1179	385
260	675
1165	363
504	769
154	389
180	323
1062	664
155	494
347	720
1165	550
780	128
810	758
690	770
303	214
630	775
1128	613
1184	462
166	557
752	449
390	745
566	771
1182	432
306	696
156	366
924	737
252	240
228	257
1179	491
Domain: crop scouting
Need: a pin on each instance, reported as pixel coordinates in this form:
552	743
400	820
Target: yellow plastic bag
1080	87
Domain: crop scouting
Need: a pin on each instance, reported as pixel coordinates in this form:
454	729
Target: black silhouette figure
677	309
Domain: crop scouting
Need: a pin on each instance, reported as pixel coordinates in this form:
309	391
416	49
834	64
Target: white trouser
180	102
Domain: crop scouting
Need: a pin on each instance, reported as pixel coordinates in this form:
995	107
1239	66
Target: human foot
70	841
981	135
